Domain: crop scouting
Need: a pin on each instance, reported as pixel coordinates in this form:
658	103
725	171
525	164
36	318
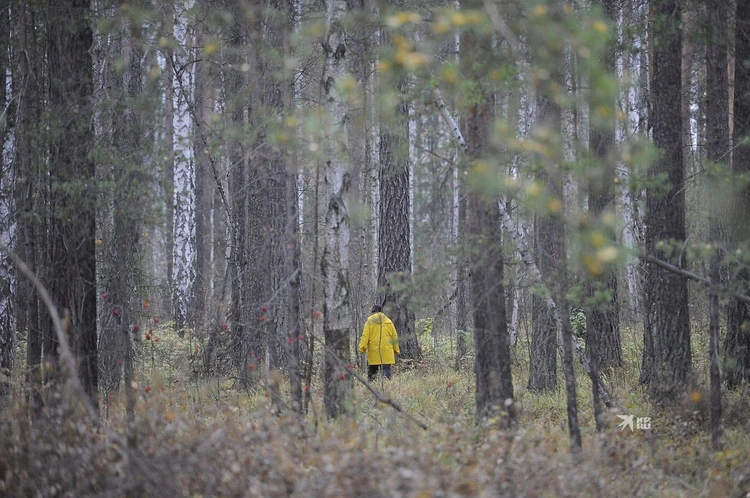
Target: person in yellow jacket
380	342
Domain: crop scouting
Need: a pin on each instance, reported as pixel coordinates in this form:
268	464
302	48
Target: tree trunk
72	173
667	354
394	250
203	103
275	101
249	253
7	330
603	345
603	320
737	346
169	137
337	385
29	188
492	361
717	151
130	186
548	236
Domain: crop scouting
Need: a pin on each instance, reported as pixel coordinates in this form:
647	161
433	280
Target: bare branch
378	395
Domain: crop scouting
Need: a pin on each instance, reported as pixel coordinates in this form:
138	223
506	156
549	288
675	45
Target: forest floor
203	438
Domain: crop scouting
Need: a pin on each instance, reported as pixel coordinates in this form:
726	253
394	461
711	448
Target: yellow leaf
441	27
554	206
211	48
598	240
539	11
607	254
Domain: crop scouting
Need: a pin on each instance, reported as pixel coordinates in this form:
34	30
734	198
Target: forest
202	200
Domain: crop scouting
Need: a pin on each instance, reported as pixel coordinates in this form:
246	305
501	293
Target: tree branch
519	235
378	395
70	367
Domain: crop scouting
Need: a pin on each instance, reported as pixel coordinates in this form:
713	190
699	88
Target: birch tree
335	262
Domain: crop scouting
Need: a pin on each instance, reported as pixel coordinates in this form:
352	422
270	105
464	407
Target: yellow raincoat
379	340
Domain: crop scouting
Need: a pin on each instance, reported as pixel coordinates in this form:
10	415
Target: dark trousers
372	371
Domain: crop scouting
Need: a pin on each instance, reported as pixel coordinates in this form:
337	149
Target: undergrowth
200	437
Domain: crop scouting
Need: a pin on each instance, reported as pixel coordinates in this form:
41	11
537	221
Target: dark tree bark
249	253
130	186
72	175
394	234
603	343
276	97
492	360
30	196
294	318
667	355
717	150
737	345
548	236
603	340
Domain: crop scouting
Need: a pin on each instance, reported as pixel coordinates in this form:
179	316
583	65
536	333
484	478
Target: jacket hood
379	318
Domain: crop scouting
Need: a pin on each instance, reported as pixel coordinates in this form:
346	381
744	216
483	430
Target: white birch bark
335	263
184	199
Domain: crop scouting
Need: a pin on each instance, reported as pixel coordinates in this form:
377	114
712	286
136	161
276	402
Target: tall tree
737	346
203	106
7	336
717	151
394	234
335	264
249	252
602	321
73	180
667	355
548	230
492	368
603	344
30	188
125	85
168	80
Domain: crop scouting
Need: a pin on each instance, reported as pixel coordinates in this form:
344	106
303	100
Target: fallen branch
378	395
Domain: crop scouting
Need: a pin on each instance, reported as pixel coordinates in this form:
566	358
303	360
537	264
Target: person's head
376	308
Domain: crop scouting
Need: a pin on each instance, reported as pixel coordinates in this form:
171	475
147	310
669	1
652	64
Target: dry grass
200	438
